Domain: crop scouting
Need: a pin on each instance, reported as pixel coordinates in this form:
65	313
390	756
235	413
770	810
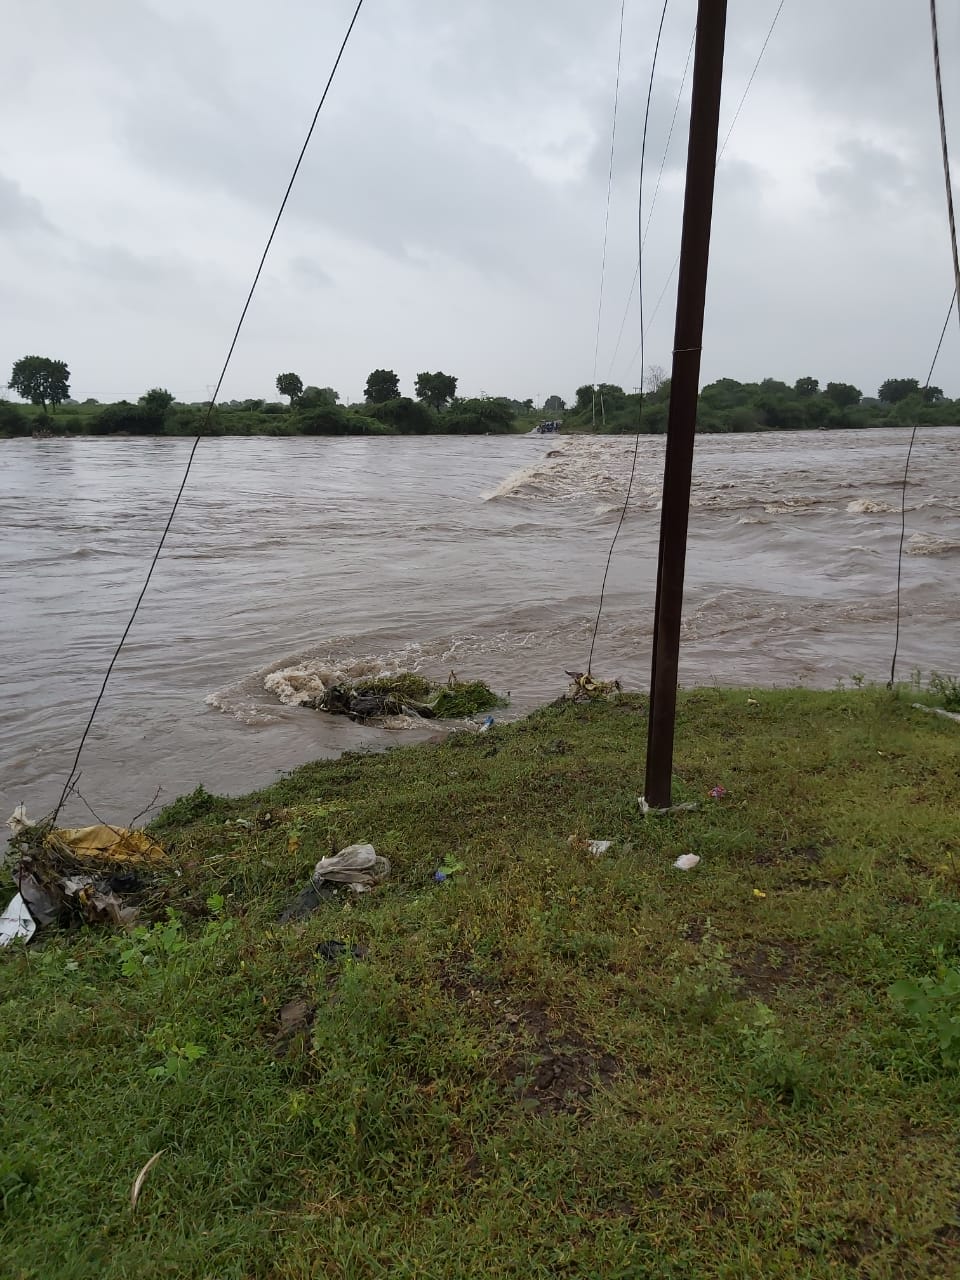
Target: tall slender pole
684	389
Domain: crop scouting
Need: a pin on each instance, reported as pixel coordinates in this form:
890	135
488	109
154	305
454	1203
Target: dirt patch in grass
808	853
859	1243
767	967
550	1070
296	1015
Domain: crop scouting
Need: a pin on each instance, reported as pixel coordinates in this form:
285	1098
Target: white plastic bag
358	866
16	922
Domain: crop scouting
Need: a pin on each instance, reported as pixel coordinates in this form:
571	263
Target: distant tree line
311	410
770	405
435	408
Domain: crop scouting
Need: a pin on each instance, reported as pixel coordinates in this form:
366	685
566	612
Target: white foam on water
925	544
297	684
867	507
797	505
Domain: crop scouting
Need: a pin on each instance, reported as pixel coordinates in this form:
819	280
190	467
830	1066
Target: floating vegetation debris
382	698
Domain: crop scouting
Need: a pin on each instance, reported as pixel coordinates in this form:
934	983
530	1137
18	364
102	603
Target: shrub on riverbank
548	1064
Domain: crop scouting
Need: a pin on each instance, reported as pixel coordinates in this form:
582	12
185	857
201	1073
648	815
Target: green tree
725	393
13	422
410	417
479	417
774	387
382	385
156	402
323	419
126	418
932	395
290	384
313	397
40	380
843	394
584	398
896	389
435	389
806	387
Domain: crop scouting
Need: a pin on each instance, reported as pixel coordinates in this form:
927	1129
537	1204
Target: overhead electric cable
606	217
656	192
210	406
723	147
952	227
636	446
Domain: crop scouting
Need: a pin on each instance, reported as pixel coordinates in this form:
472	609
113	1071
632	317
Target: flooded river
481	556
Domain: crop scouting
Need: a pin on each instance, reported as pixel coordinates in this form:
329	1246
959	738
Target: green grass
551	1065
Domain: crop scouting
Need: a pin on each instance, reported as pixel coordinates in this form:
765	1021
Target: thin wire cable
653	202
210	406
903	494
753	75
948	181
736	117
636	445
952	223
606	218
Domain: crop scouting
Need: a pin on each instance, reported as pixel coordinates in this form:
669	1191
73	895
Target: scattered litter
141	1177
18	820
305	903
447	870
687	861
107	844
937	711
752	702
358	868
585	689
99	874
717	792
758	893
16	922
333	950
585	845
487	723
687	807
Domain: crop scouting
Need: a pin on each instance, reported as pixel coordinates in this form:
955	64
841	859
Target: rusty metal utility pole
684	390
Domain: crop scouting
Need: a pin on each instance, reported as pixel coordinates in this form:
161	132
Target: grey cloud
400	181
450	208
308	271
18	211
868	179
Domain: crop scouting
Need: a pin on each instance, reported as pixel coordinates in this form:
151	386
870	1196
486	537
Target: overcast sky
450	211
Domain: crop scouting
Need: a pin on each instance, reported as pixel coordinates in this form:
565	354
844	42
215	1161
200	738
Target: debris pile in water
381	698
584	688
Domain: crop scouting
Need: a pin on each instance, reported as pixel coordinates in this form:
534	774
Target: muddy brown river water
484	555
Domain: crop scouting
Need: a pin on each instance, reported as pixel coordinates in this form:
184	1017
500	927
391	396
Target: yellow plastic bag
107	844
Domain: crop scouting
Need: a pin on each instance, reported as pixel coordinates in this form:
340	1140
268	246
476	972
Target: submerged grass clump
406	685
455	700
459	700
549	1064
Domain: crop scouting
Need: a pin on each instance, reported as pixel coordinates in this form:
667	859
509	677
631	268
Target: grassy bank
551	1064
